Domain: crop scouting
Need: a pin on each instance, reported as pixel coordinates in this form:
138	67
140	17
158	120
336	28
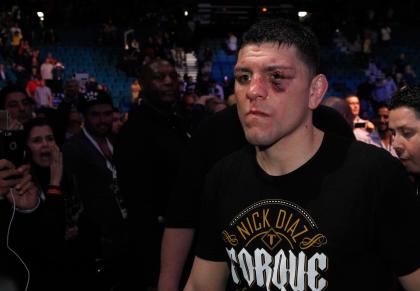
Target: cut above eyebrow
267	69
283	68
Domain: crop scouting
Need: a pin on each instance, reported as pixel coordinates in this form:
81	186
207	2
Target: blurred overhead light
40	14
185	13
302	14
264	10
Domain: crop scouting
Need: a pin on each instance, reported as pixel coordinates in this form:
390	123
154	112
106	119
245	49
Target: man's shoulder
372	158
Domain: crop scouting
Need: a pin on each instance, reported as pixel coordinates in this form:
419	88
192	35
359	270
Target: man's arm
411	282
176	244
207	276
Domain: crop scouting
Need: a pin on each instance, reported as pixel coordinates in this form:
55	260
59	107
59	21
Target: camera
12	147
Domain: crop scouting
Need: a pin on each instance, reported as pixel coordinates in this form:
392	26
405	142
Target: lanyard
109	164
111	167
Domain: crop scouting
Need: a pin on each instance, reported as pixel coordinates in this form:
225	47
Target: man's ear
319	87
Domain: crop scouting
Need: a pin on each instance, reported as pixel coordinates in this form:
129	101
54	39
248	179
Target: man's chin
100	132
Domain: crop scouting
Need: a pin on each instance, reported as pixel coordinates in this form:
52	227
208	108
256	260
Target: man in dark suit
89	158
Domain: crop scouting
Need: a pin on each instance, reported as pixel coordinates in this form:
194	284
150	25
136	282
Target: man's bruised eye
278	80
277	77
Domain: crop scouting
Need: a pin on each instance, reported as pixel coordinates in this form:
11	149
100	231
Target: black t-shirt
342	221
216	138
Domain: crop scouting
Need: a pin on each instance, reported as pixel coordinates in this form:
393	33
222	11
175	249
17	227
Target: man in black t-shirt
299	209
216	138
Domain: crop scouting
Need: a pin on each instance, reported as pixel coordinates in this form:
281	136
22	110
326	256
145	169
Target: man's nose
257	88
398	145
168	79
44	142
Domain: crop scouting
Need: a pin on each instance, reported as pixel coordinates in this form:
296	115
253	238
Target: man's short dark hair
407	97
7	90
285	32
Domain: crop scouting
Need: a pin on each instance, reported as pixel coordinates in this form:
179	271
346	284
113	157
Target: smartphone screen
360	125
12	147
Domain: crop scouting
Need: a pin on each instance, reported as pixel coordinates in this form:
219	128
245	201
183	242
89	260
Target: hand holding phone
12	147
9	176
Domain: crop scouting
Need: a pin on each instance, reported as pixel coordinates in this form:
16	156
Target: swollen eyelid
278	76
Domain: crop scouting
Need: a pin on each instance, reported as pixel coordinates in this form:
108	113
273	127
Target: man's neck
98	138
291	152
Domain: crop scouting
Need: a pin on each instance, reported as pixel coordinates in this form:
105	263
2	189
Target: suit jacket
88	170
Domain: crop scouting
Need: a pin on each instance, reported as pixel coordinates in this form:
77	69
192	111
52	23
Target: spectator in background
16	39
400	64
383	90
73	124
383	129
46	70
152	141
409	75
33	82
117	122
58	75
48	257
89	157
19	106
216	90
35	59
91	84
43	95
363	129
15	30
135	91
390	85
231	44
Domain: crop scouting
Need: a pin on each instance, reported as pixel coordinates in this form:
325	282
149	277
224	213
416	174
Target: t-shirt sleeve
398	220
210	245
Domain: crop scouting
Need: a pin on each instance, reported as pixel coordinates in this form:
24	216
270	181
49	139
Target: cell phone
360	125
4	120
12	147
